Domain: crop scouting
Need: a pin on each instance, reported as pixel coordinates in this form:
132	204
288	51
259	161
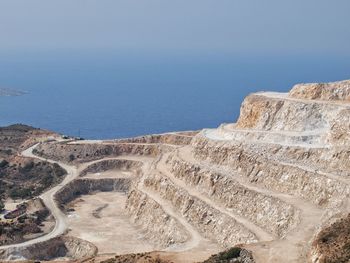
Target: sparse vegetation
137	258
71	157
3	163
2	206
231	255
22	178
22	221
20	193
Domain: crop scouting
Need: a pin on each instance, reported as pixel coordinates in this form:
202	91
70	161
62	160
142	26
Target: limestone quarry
275	184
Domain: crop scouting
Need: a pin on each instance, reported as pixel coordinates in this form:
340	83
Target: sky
217	26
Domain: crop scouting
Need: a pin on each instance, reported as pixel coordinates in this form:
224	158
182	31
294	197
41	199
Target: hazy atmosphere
224	26
182	131
159	65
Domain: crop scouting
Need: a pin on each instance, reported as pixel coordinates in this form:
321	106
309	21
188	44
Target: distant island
11	92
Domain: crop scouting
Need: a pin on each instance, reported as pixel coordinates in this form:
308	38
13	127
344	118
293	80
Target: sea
111	94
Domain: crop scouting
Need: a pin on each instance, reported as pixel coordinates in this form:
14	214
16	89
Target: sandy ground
100	219
110	174
9	206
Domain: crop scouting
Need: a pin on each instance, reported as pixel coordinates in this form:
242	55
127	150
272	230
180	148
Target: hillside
20	177
275	185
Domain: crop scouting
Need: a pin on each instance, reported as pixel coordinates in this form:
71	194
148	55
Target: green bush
4	163
58	170
27	168
17	193
71	157
2	206
47	180
231	253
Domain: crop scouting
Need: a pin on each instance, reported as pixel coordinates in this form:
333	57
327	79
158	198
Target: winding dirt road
49	201
196	241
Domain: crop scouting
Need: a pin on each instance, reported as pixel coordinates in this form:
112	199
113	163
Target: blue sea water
110	95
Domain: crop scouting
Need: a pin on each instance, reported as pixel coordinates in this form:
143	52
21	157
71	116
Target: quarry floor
100	219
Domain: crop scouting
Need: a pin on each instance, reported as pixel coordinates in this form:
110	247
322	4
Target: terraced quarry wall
120	164
86	186
162	229
77	153
276	182
272	173
210	222
279	113
177	138
272	213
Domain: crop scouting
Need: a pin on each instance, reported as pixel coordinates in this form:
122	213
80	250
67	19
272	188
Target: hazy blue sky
294	26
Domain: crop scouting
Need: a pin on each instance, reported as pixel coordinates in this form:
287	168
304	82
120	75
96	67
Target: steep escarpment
210	222
83	152
116	164
334	91
86	186
161	228
278	112
282	174
291	146
274	214
176	138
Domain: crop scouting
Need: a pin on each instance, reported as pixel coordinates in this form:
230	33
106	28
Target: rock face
61	247
277	182
83	152
167	138
106	165
335	91
161	228
272	213
87	186
283	168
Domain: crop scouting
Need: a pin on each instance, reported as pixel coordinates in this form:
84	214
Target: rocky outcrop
86	186
176	138
272	214
279	113
117	164
162	229
273	173
282	167
210	222
339	133
57	248
84	152
334	91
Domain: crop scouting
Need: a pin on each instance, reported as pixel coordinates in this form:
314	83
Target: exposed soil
110	229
